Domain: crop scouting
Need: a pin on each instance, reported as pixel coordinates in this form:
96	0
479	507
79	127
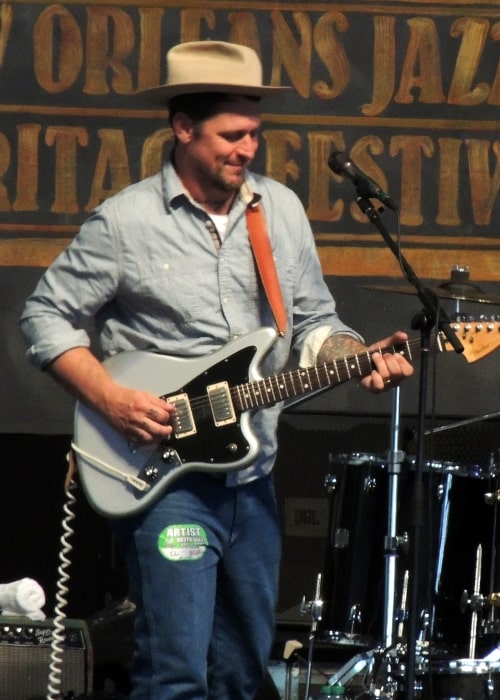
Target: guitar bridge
221	404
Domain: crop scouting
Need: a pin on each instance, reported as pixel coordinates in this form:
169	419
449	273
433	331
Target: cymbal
447	290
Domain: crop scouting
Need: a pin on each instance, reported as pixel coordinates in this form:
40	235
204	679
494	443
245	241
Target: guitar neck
268	391
478	340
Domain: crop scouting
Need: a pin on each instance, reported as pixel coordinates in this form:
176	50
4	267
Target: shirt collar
174	192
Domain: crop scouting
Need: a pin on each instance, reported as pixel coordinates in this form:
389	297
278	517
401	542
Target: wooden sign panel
410	90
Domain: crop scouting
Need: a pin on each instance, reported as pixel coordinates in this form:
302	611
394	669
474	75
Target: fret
291	383
346	365
357	358
330	373
367	362
271	389
318	382
257	396
286	387
336	370
300	374
244	397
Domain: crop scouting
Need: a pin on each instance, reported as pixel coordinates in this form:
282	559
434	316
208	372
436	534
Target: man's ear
182	126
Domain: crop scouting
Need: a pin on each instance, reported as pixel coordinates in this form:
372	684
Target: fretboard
265	392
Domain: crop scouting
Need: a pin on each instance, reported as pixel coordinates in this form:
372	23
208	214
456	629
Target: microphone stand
431	315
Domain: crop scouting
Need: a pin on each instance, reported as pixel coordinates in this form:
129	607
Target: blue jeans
203	567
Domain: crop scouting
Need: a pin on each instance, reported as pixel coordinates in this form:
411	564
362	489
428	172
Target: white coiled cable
59	634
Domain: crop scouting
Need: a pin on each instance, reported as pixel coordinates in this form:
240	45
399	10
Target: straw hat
211	66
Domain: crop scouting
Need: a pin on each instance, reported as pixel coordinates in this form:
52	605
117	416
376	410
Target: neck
216	205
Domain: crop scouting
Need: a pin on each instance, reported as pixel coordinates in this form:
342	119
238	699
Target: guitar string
341	366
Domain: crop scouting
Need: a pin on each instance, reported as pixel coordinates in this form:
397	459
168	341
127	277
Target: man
166	265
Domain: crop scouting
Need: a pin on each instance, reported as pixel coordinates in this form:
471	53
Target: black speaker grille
25	657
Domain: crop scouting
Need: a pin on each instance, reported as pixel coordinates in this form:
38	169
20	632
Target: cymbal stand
315	610
391	547
392	540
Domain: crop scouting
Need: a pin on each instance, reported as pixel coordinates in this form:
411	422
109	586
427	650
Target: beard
221	180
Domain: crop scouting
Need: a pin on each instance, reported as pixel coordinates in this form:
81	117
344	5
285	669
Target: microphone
341	164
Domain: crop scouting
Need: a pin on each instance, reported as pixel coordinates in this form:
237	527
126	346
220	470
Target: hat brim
163	93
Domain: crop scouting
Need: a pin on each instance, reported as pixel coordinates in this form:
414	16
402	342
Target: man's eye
233	137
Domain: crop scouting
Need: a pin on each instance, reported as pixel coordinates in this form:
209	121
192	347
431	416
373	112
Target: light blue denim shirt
145	267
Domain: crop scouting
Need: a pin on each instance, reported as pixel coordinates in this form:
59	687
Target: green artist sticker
183	542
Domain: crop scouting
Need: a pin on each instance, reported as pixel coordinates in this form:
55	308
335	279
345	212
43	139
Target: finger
138	436
158	415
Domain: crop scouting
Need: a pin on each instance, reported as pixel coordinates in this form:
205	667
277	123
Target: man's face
221	148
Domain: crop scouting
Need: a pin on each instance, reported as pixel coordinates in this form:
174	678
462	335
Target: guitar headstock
479	338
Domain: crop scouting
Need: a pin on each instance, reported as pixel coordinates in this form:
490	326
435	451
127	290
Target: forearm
139	415
339	345
83	376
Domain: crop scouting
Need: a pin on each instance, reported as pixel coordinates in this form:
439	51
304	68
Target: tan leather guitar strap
261	246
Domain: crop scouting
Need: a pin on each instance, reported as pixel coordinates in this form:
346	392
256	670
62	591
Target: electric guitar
214	397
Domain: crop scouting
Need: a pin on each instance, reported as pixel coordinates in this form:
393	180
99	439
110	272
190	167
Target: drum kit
364	594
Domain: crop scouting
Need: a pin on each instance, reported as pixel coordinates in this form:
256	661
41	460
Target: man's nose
247	146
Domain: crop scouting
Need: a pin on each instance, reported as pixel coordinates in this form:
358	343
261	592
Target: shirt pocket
173	290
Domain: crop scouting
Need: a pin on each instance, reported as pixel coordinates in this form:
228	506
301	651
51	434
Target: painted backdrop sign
411	90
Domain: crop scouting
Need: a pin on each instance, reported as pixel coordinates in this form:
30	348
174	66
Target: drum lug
370	484
395	545
341	538
331	483
492	498
355	616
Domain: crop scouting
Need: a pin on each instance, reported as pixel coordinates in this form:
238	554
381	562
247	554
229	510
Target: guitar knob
151	473
168	455
232	447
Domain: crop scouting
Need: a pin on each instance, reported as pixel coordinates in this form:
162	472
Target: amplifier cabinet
25	658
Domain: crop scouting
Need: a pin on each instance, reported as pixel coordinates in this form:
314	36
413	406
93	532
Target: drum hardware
394	545
413	658
313	608
401	615
479	603
477	590
425	626
353	667
355	618
458	489
476	603
461	423
462	679
331	483
458	288
392	541
491	498
354	521
385	671
372	467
